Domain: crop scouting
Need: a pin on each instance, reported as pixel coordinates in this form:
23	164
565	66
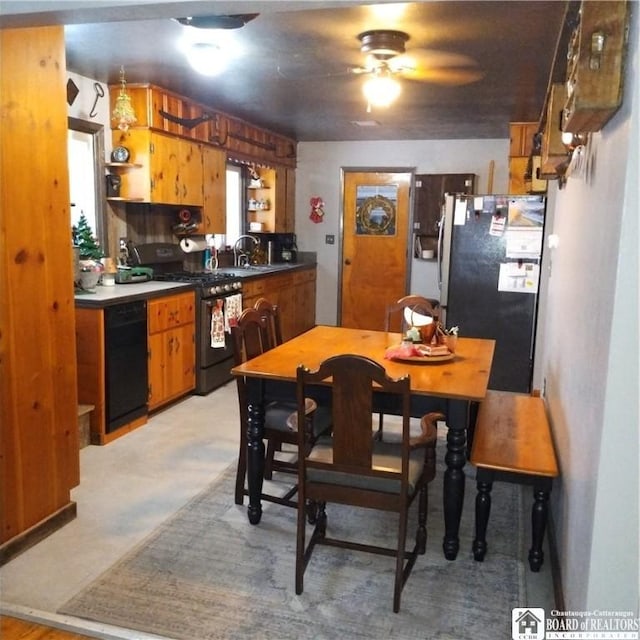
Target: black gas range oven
213	290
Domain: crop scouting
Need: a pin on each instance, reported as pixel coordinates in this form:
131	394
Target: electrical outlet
329	239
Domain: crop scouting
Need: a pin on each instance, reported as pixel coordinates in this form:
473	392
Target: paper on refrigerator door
519	277
460	211
523	243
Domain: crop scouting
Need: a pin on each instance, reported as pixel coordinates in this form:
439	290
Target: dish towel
217	326
232	310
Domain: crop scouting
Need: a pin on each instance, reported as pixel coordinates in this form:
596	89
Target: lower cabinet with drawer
171	344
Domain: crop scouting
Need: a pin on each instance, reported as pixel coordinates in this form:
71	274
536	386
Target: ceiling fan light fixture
381	90
383	44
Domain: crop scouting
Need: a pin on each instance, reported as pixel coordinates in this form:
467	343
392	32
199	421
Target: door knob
347	261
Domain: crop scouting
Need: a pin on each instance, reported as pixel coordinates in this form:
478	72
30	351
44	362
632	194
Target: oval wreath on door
376	216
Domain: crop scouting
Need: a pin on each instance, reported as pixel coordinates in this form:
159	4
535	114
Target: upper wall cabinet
167	112
595	63
168	171
214	208
524	159
429	198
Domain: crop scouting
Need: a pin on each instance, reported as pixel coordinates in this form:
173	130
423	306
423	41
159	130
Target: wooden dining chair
250	338
395	320
271	312
352	468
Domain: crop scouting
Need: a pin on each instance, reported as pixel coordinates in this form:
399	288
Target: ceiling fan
387	59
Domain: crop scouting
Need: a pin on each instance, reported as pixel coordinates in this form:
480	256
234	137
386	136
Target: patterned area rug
207	573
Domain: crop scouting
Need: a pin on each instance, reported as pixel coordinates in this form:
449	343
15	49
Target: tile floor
127	489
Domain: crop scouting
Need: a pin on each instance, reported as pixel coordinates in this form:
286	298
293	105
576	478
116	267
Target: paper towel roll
192	245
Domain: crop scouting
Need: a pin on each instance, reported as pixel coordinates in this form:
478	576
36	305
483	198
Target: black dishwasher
126	374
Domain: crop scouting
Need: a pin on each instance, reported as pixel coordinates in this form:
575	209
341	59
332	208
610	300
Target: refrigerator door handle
440	249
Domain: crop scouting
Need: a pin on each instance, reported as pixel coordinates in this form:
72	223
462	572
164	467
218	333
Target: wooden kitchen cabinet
171	170
304	307
171	343
284	215
524	159
295	294
521	138
214	209
429	198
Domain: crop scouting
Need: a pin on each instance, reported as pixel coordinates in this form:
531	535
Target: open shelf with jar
260	203
113	178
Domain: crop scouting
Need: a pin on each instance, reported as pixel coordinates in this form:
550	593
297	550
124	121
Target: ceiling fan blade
441	67
433	58
360	70
445	76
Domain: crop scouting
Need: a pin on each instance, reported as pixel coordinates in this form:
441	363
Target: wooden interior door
375	246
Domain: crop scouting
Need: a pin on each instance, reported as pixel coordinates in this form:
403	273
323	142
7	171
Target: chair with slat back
250	337
395	321
271	312
352	468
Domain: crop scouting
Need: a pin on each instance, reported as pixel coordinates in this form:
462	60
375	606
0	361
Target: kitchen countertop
119	293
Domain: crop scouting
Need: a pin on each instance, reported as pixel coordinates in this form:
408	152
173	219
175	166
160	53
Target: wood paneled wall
39	459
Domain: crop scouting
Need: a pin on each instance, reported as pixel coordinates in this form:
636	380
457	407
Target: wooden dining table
455	387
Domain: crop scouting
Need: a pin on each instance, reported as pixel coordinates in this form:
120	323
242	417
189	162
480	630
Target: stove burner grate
204	278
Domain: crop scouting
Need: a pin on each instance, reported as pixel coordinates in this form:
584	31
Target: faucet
240	258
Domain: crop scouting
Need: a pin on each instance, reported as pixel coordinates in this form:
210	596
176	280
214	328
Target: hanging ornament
317	209
123	113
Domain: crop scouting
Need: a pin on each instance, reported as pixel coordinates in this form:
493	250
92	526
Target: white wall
591	366
83	105
319	174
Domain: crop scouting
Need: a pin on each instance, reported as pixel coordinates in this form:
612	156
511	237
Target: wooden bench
512	442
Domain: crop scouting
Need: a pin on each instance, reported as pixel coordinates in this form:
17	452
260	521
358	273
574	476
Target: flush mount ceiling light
123	112
381	89
206	58
217	22
209	50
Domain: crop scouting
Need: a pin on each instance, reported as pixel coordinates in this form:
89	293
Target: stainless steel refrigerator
490	251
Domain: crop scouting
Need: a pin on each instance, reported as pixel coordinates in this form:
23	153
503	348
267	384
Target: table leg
539	513
454	479
255	448
483	509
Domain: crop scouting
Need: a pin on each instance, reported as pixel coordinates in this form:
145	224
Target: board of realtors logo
527	624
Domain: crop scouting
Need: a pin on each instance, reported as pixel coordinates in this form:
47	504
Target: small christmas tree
84	238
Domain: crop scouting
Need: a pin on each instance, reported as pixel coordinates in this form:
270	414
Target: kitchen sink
264	267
